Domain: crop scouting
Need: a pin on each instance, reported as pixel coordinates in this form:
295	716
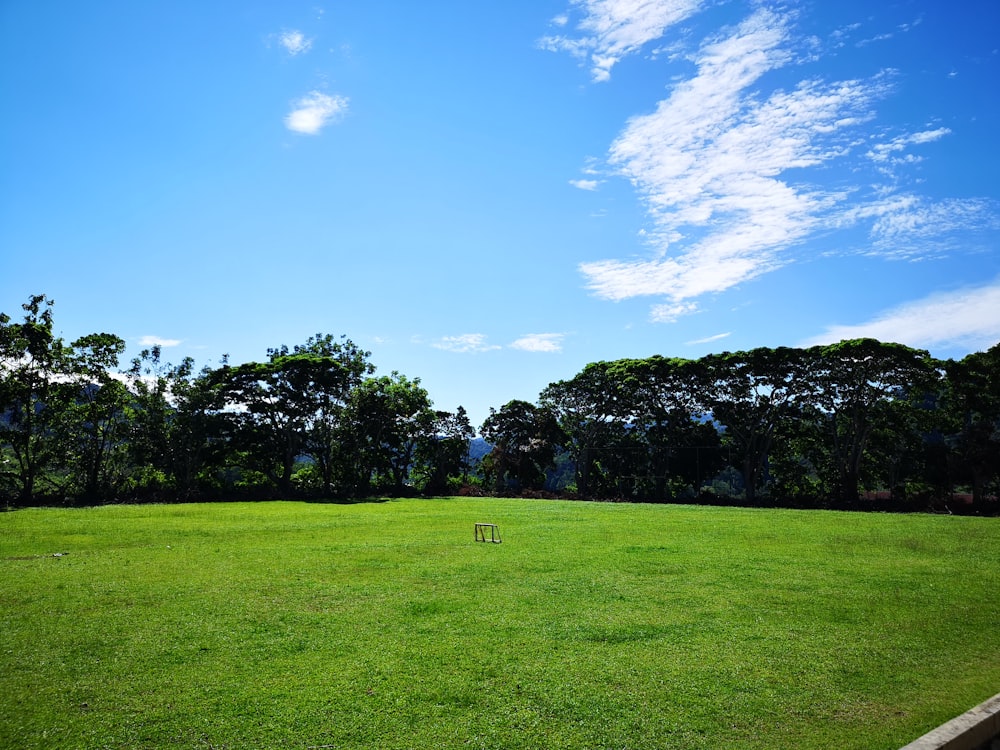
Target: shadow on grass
349	500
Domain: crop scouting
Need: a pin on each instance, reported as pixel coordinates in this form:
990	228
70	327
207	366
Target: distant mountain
477	449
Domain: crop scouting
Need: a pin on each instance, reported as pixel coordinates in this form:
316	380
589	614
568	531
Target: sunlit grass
592	625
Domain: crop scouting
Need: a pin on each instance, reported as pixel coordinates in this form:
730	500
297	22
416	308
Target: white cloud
314	111
964	318
294	41
872	40
709	339
903	27
840	35
902	224
725	165
464	343
670	312
885	154
613	29
158	341
708	164
540	342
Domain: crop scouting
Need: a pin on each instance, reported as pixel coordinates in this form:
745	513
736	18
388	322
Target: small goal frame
488	532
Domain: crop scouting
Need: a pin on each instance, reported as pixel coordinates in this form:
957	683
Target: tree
443	451
665	413
35	391
525	438
340	367
266	428
63	414
854	380
291	405
95	424
753	395
390	415
587	407
972	405
904	446
177	425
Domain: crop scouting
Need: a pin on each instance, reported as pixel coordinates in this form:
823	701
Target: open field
592	626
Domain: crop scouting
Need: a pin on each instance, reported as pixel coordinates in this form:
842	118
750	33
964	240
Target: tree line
311	421
859	423
825	426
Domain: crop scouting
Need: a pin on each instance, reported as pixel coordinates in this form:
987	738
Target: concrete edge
971	731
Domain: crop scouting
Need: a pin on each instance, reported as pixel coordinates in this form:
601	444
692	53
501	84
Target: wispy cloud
708	165
314	111
540	342
721	166
294	42
670	312
840	36
887	155
585	184
901	28
901	225
708	339
612	29
465	343
968	318
158	341
874	39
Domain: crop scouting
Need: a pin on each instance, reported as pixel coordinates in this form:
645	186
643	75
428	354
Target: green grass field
384	625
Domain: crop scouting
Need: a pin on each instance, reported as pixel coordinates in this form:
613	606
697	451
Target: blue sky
488	196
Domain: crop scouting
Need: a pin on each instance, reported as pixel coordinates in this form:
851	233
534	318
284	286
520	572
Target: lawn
385	625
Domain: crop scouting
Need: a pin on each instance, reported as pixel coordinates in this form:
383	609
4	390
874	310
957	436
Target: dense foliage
312	421
859	423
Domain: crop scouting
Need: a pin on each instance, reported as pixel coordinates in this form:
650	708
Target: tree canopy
842	425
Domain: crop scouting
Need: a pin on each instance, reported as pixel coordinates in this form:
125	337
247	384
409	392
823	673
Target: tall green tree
666	413
391	415
854	380
95	425
177	439
903	447
442	452
36	389
339	367
525	438
753	395
589	409
292	404
972	405
265	429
